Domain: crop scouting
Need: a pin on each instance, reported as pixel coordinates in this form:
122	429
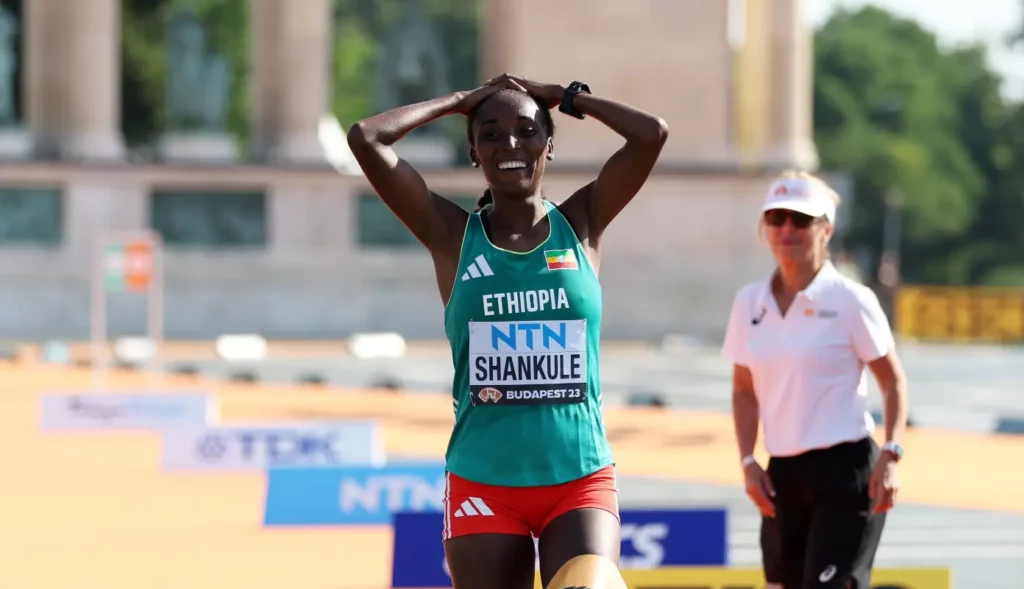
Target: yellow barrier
728	578
738	578
961	314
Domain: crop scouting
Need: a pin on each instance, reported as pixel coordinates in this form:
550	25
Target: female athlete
528	455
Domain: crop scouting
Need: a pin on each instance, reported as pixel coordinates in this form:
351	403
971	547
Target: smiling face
510	139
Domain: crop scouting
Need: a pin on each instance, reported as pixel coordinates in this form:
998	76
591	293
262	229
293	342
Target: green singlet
524	330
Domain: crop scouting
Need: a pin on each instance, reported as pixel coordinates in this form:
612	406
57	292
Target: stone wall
672	260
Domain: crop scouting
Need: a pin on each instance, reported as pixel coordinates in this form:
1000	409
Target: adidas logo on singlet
477	268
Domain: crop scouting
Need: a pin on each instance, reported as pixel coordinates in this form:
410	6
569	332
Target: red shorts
474	508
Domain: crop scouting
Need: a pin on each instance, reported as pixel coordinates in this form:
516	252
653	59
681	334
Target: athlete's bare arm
433	219
625	172
438	223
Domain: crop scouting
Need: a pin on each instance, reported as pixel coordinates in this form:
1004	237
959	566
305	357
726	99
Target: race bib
528	362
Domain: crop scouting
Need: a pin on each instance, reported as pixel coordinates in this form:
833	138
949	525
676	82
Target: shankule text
528	362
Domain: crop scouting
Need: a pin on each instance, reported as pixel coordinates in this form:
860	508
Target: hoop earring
476	164
551	156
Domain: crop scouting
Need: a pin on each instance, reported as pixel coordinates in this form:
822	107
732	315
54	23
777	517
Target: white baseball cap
803	194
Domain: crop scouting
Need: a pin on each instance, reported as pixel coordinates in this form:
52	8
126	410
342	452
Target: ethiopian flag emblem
561	259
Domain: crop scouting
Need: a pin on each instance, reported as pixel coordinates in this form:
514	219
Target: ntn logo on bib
528	362
527	337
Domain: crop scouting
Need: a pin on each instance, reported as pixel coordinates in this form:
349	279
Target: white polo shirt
809	367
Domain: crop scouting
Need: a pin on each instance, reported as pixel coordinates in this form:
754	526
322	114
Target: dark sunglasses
777	218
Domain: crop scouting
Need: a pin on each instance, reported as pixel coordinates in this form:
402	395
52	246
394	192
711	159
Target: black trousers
823	534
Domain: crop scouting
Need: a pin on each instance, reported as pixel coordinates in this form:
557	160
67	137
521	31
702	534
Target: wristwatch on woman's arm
571	91
893	448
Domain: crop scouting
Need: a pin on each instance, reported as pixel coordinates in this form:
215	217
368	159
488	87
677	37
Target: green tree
992	251
1003	213
900	113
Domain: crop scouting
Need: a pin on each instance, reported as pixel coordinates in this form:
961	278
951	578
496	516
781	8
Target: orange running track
93	510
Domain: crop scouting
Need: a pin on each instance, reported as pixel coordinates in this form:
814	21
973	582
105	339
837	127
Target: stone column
683	72
291	77
497	38
42	66
73	89
94	82
752	82
791	143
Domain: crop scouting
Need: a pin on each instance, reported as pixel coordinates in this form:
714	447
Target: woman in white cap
799	342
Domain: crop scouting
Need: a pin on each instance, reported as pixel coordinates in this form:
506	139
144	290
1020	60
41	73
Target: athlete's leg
487	540
491	561
588	571
583	520
587	531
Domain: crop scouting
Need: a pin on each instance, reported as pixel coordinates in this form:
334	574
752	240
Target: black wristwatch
570	94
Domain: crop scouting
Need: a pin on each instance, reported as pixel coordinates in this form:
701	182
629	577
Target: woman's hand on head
471	99
551	94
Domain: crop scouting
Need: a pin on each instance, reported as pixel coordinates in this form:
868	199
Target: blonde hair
798	175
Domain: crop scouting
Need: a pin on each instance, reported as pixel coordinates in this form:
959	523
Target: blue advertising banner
650	539
320	496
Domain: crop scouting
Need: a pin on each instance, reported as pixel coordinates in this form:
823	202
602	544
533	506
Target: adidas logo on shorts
473	506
